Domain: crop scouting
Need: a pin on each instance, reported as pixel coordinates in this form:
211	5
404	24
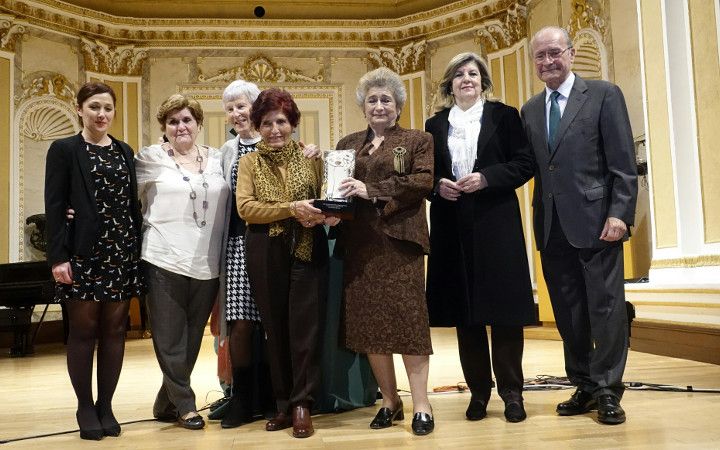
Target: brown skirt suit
384	308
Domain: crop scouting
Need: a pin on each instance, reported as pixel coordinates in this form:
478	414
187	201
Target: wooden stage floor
37	398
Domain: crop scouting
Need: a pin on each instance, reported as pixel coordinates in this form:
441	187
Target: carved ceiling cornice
403	59
10	31
112	60
455	17
504	30
587	14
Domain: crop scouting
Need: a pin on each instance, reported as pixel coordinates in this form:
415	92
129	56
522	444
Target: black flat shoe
386	416
88	434
609	410
193	423
476	410
515	411
579	403
422	424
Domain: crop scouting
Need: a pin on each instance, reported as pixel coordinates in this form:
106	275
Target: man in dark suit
584	201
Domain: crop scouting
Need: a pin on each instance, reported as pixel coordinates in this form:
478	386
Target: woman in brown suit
385	311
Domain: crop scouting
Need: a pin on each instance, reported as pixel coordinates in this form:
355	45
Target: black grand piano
22	286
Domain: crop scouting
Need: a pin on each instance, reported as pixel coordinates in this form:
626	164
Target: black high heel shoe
386	416
110	425
90	435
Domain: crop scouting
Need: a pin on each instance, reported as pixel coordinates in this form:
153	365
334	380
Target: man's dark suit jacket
69	183
589	174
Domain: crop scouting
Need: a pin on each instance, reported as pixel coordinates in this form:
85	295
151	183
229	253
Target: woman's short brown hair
178	102
93	88
274	99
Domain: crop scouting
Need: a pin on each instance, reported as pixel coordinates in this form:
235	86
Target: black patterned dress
239	302
112	273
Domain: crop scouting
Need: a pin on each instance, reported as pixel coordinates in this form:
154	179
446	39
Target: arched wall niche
591	59
45	112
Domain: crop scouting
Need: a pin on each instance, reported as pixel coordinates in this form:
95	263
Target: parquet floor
37	398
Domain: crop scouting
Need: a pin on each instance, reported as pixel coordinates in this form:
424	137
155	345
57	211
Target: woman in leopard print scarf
287	255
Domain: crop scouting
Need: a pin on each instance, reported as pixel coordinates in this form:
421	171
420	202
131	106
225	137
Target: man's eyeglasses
553	54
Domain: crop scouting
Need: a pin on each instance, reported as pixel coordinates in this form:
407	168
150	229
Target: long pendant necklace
193	195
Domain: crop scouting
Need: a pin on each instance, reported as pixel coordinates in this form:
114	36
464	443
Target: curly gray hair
382	78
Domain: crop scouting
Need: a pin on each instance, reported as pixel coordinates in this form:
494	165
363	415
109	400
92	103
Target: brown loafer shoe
301	422
279	422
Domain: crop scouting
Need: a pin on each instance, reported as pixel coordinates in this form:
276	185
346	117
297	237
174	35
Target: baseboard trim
698	342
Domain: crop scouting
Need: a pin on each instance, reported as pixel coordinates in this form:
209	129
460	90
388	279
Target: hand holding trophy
338	165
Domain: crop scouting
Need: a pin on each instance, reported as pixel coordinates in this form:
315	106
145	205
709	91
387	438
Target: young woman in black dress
95	256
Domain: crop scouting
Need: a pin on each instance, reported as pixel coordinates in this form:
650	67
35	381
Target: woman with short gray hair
238	309
385	311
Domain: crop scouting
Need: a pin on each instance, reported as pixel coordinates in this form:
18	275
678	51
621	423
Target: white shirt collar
564	88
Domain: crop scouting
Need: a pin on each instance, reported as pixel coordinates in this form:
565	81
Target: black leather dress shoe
580	403
386	416
192	423
476	410
422	424
515	411
609	410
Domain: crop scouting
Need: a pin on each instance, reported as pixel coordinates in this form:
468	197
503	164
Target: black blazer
69	183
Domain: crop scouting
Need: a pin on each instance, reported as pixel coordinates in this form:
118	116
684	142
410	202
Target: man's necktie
554	118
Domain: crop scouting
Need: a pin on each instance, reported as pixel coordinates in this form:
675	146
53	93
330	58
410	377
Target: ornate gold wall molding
452	18
404	59
687	262
38	84
110	59
586	14
504	30
261	69
10	32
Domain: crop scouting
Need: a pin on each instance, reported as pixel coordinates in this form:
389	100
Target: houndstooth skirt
239	302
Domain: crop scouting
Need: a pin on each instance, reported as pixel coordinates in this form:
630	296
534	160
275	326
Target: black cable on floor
539	383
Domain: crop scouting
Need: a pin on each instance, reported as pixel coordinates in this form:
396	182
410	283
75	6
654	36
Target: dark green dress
347	379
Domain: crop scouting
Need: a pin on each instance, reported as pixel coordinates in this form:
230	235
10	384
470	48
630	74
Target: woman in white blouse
184	202
477	270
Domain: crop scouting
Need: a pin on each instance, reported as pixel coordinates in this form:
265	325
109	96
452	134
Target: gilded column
10	32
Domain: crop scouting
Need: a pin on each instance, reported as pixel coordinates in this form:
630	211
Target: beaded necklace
193	195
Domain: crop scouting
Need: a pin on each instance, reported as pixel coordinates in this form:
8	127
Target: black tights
105	323
240	340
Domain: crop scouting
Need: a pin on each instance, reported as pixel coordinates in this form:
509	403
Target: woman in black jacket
478	270
94	257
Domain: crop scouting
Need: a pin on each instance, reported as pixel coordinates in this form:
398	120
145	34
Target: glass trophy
338	165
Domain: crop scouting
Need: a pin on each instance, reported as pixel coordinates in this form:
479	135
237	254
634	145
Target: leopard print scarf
300	184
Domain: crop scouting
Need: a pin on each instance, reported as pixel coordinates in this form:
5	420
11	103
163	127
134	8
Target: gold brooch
399	160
